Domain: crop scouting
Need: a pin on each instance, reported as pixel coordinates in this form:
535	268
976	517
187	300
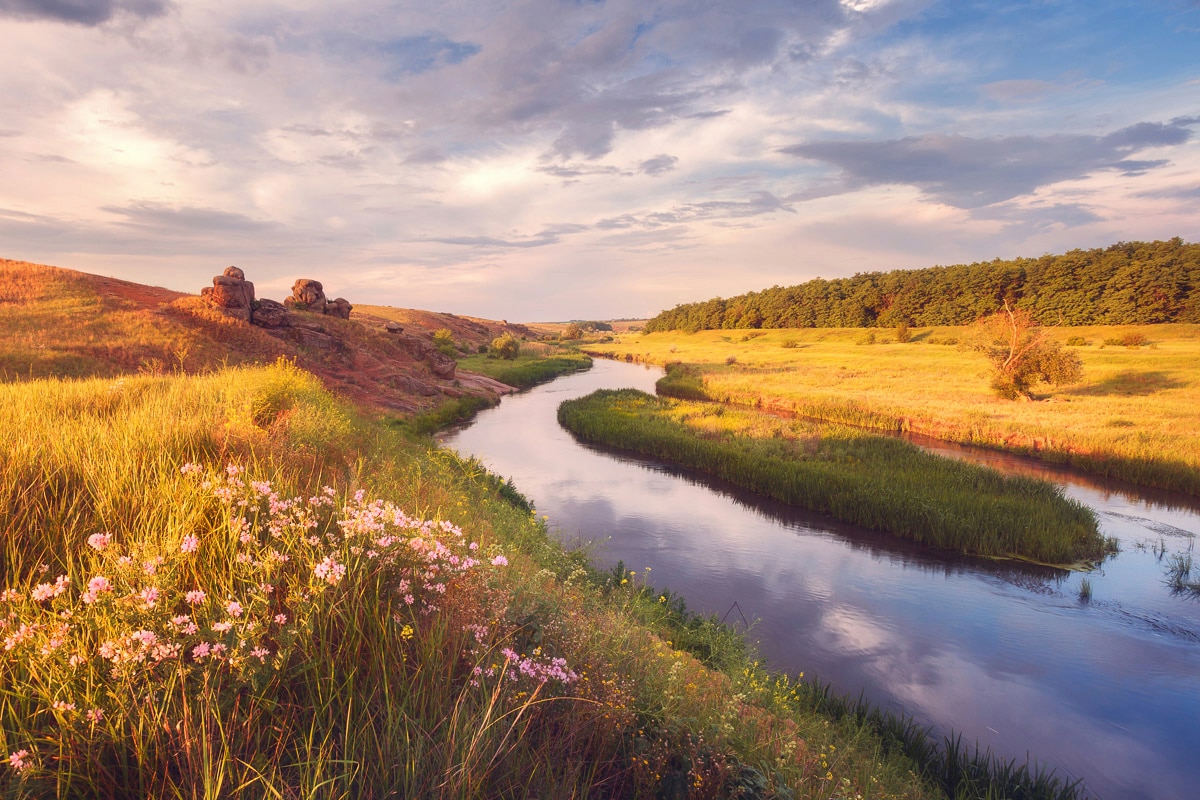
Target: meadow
235	584
536	364
1133	416
870	480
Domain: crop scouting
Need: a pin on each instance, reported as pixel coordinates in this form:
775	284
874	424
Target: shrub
1077	341
443	340
903	333
789	344
506	346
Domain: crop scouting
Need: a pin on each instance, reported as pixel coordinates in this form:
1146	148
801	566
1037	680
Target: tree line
1128	283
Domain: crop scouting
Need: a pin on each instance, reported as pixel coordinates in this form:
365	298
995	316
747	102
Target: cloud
659	165
968	172
82	12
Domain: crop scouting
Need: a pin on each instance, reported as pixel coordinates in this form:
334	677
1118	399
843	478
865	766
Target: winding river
1008	654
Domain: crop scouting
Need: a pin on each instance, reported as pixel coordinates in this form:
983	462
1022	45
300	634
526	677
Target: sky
575	159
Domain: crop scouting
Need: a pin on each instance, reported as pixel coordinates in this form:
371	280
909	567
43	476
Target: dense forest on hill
1129	283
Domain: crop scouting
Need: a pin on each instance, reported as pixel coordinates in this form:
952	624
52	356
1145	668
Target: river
1005	653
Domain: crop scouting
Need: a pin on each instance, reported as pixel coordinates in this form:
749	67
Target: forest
1128	283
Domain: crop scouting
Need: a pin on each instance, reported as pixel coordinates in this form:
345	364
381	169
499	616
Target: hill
1129	283
63	323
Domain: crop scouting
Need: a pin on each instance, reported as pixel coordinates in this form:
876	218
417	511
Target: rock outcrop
309	295
271	314
231	293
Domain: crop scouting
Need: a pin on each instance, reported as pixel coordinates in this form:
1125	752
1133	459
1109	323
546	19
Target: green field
528	369
1133	416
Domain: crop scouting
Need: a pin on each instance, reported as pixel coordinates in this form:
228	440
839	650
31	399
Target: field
856	476
1133	416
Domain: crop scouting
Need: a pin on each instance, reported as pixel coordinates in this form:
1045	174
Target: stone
338	308
233	295
393	327
235	272
271	314
307	294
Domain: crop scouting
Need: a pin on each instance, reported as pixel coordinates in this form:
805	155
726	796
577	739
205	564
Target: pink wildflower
222	627
95	715
201	650
149	596
194	597
500	561
19	760
234	608
330	570
99	541
189	544
63	706
281	619
95	587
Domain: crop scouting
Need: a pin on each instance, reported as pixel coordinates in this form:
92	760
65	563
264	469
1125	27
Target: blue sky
553	159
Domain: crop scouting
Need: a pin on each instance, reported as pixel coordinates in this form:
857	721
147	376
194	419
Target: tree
572	331
506	346
1022	353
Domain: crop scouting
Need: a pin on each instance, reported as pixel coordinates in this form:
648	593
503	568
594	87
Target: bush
1077	341
506	346
443	340
903	334
789	344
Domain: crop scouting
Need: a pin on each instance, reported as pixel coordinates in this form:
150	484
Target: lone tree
1022	353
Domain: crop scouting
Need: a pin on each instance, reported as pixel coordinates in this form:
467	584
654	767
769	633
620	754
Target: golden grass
1134	415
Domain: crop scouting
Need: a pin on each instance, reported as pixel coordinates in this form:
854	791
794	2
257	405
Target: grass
1132	417
877	482
409	631
528	369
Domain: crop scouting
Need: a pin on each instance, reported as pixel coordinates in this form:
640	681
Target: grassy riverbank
233	627
529	368
869	480
1133	416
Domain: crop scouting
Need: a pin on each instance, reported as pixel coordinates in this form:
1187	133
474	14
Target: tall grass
409	631
877	482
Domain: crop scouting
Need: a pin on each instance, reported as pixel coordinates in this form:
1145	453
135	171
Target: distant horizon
544	159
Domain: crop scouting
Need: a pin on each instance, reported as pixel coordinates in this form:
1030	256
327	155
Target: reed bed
877	482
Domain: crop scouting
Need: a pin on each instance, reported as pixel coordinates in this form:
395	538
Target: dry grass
1133	416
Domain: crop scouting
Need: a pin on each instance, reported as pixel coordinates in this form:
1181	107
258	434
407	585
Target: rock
314	336
307	295
393	327
338	308
440	364
231	294
271	314
235	272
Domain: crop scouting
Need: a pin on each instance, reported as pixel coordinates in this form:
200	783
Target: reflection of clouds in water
966	643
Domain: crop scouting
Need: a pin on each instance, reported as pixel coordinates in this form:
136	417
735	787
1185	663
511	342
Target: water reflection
1003	651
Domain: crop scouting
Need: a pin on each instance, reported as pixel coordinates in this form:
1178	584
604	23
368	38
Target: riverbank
411	628
876	482
1132	417
528	369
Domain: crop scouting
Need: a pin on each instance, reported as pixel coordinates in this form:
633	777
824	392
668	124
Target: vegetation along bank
878	482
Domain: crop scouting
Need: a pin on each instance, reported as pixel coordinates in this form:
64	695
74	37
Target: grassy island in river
870	480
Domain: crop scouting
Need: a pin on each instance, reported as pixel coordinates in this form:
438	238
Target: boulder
393	327
420	349
339	308
235	272
233	295
271	314
307	295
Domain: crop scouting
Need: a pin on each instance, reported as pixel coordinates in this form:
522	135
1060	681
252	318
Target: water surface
1108	691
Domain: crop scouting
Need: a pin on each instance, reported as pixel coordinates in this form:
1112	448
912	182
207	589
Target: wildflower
194	597
201	650
189	544
95	587
234	608
47	591
149	596
260	653
189	468
222	627
62	706
19	760
99	541
330	571
95	715
500	561
281	619
406	632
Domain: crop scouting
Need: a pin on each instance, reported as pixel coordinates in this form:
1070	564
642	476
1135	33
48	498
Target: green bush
506	346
